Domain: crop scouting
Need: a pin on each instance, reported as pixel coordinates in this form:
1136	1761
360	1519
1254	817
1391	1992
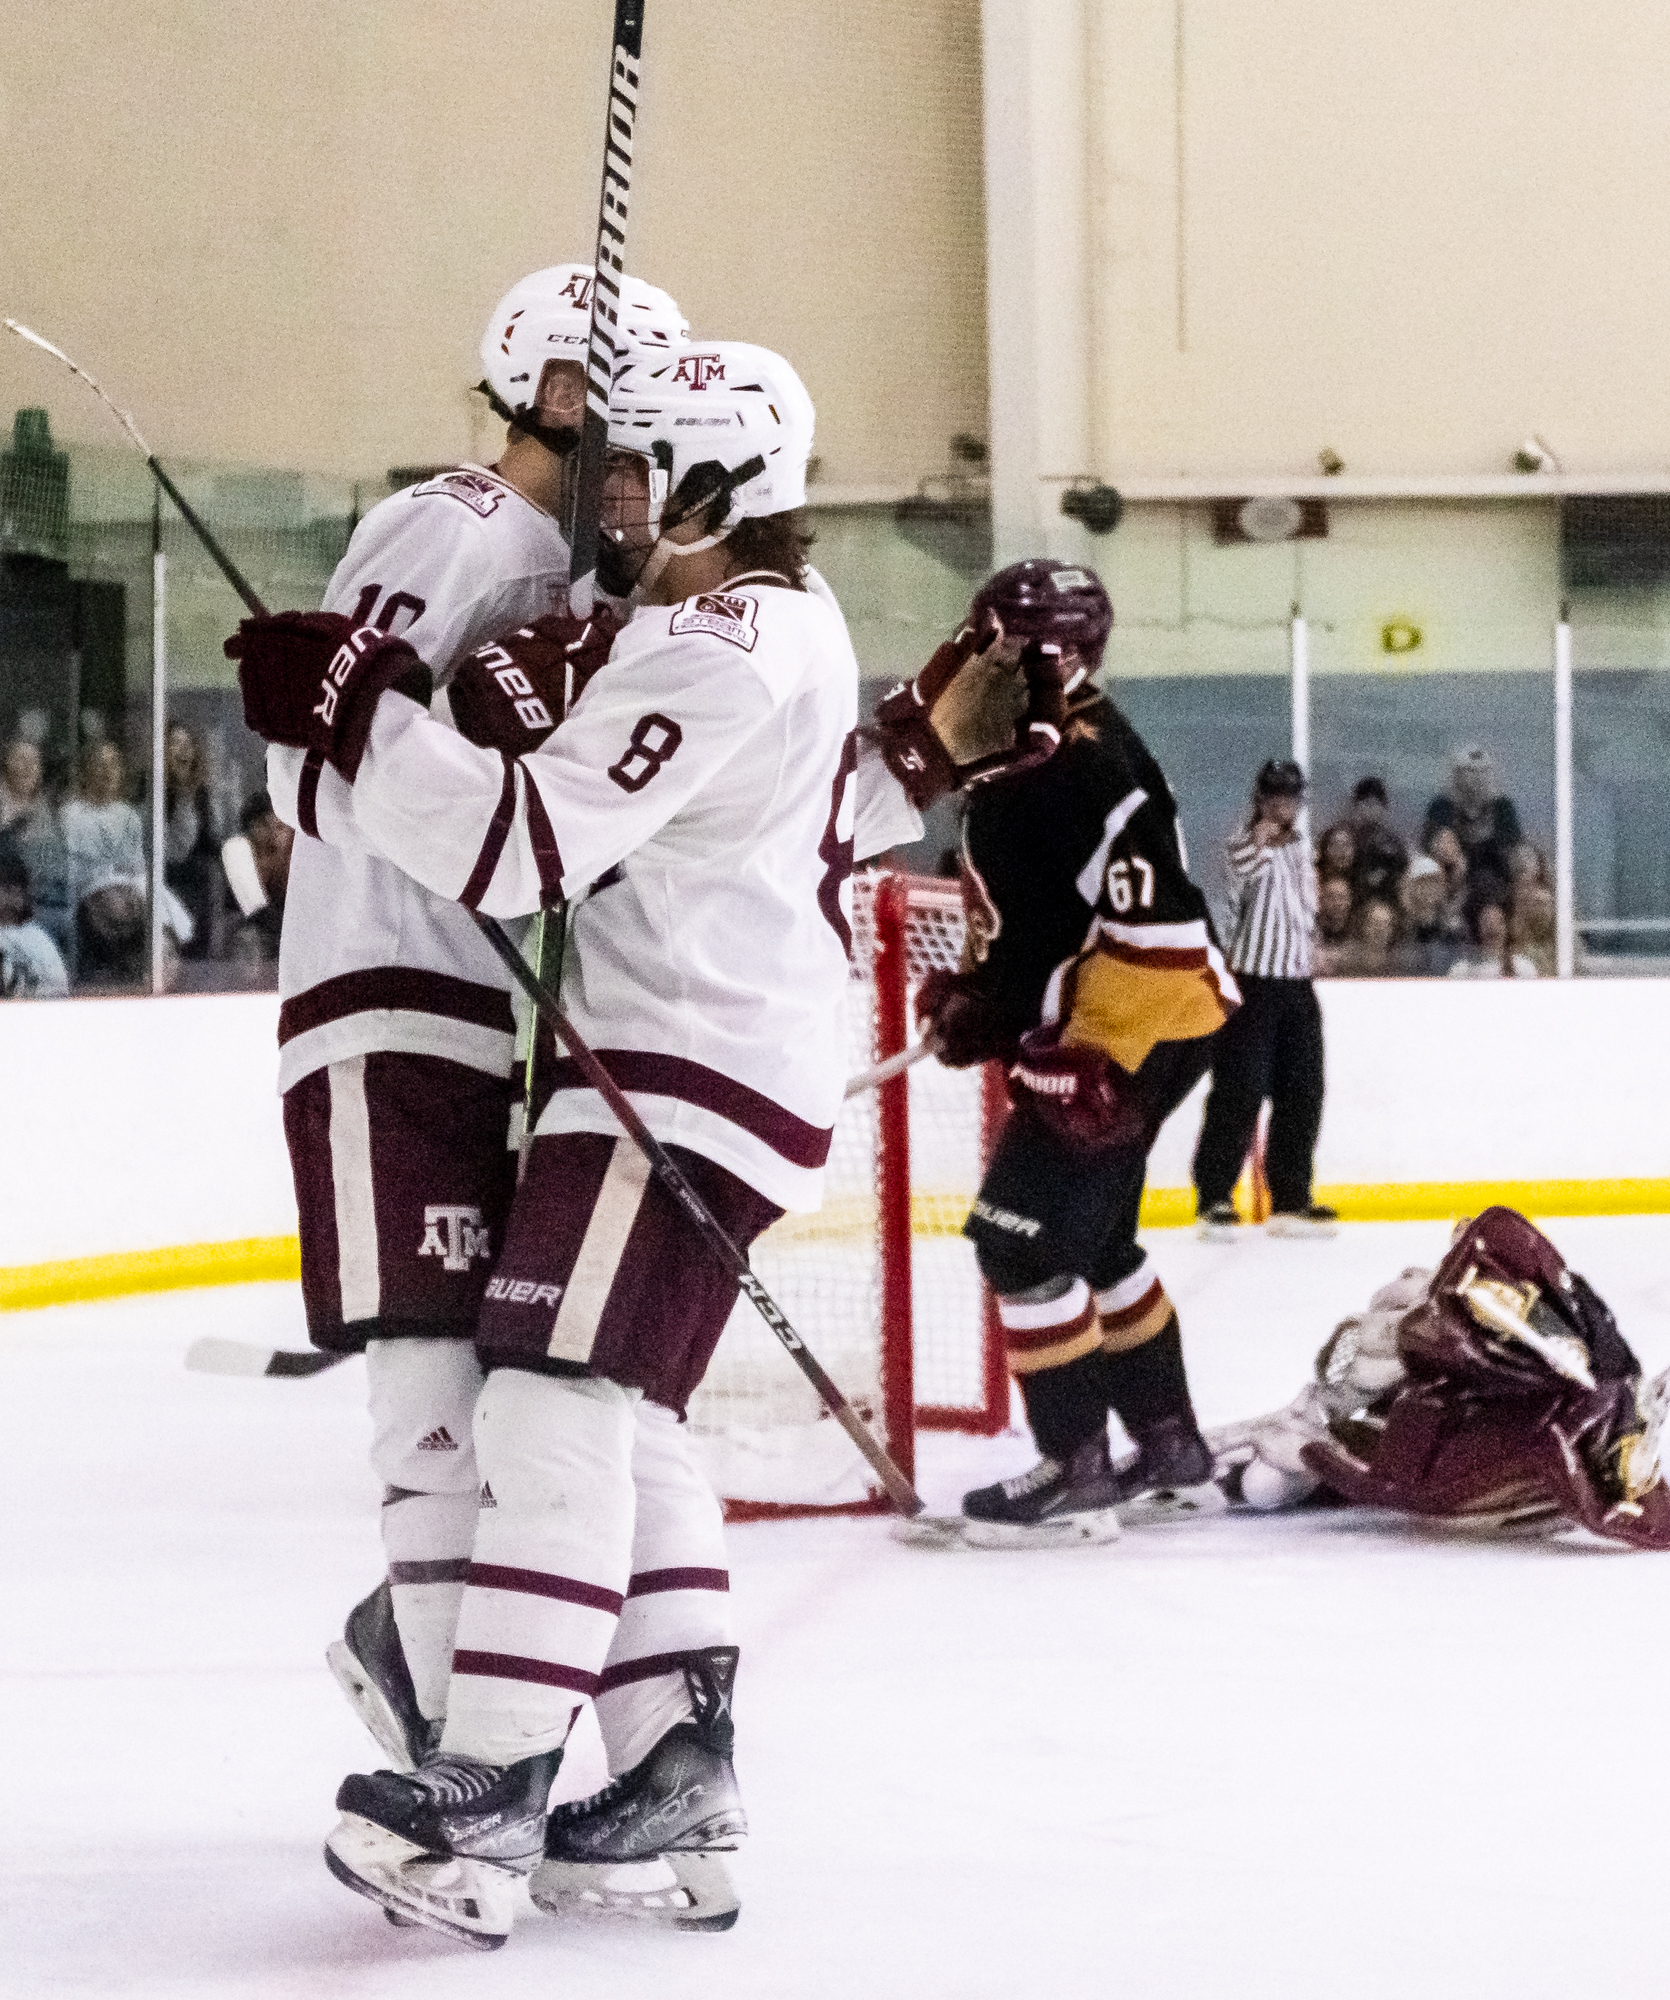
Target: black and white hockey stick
609	264
899	1489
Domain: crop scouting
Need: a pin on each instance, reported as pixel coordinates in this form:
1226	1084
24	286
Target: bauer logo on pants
456	1235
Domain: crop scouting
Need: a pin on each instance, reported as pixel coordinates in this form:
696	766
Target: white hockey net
756	1422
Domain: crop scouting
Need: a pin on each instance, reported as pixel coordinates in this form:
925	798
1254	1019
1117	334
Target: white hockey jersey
369	960
700	799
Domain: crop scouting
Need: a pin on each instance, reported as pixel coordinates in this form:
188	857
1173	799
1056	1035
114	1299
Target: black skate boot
444	1846
1056	1503
369	1663
651	1844
1168	1477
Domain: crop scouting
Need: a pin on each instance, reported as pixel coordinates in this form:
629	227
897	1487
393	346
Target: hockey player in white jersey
396	1027
696	807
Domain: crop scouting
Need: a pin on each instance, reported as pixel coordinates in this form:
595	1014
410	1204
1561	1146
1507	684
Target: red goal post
881	1281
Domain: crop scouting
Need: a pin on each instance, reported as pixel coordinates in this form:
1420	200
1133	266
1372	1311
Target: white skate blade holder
687	1892
369	1703
958	1531
472	1901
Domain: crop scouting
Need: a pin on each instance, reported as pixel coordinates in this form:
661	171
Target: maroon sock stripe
451	1569
648	1581
538	1583
492	845
650	1668
547	856
307	794
513	1667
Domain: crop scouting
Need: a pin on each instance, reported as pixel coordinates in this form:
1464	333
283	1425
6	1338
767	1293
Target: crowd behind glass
1463	893
75	875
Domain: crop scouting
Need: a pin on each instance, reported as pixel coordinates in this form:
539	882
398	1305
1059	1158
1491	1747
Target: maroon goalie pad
1521	1389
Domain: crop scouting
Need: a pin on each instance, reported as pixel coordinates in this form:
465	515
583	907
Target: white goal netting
757	1425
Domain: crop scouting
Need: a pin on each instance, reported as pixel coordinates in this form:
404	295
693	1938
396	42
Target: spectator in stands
103	836
112	938
1381	856
1426	949
191	845
26	816
1443	845
1374	933
1489	954
1531	928
1485	823
30	965
1336	852
254	944
1333	925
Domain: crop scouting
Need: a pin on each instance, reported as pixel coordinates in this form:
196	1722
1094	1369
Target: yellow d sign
1397	635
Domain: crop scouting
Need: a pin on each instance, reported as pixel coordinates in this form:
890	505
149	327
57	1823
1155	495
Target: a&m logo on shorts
456	1235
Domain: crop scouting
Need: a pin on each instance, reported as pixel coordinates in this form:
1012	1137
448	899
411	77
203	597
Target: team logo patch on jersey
729	618
479	493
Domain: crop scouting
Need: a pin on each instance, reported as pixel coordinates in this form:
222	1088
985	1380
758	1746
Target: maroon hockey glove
914	751
965	1028
1078	1093
511	693
302	690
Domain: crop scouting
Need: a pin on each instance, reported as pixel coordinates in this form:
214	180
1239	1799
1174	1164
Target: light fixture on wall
1268	518
1330	461
1099	507
1535	455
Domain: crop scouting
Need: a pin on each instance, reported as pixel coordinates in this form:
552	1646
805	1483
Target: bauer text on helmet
724	430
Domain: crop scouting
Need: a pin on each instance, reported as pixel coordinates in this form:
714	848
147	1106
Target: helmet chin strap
666	551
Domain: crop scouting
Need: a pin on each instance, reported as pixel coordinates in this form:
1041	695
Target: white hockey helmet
547	317
717	418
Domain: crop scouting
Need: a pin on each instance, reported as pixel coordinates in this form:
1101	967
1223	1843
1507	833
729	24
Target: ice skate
1316	1222
1055	1505
1168	1477
370	1668
652	1844
1220	1224
444	1846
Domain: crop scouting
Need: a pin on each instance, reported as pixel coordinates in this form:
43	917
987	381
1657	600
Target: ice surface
1245	1758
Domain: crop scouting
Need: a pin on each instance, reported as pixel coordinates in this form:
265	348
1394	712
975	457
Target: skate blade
1223	1232
929	1531
369	1703
687	1892
467	1900
1066	1531
1296	1228
1167	1506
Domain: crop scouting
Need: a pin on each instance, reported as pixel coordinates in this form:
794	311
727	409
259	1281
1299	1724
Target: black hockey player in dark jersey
1091	969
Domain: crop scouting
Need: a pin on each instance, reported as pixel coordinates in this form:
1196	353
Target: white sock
677	1600
553	1554
422	1395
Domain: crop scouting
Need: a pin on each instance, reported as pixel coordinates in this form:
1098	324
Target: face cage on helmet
710	484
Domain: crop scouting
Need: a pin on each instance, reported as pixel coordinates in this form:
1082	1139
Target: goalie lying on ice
1496	1390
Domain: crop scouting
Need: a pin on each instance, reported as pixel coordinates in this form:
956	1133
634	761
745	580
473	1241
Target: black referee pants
1271	1047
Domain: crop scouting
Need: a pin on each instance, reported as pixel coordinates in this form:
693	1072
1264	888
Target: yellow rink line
255	1259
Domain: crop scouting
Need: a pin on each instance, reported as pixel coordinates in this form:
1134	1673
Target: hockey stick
608	265
884	1072
214	1356
228	569
899	1489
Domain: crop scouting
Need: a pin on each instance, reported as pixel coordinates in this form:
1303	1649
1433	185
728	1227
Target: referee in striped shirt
1271	1047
